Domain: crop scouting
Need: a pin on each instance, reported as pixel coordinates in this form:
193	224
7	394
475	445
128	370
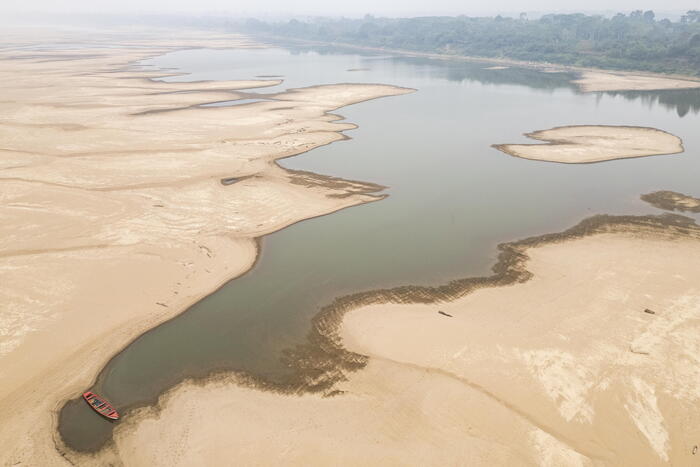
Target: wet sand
584	144
581	349
115	218
672	201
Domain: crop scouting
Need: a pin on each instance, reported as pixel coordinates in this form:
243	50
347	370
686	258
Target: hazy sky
333	8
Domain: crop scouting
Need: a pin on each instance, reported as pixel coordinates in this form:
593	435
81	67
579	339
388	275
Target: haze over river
452	200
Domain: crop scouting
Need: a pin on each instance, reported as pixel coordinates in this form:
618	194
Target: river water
452	199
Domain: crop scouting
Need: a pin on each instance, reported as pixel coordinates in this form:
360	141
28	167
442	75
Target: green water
452	200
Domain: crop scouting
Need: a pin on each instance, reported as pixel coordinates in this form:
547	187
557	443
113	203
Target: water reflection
683	101
452	199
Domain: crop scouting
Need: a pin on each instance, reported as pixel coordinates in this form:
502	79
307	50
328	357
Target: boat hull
100	405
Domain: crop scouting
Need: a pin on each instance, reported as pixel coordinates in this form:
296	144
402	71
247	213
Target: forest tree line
635	41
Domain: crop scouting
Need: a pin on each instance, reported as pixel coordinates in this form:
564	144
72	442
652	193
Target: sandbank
583	144
114	216
589	80
672	201
581	349
597	81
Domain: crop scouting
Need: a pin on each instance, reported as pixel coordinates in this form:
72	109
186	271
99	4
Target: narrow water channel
452	200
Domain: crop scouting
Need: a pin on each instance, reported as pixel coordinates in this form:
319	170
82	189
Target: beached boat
100	405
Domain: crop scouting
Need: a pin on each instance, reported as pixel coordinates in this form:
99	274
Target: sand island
672	201
582	144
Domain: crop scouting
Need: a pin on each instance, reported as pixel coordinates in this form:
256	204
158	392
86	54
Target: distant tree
523	16
635	41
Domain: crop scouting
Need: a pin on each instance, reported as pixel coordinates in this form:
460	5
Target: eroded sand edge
115	217
580	349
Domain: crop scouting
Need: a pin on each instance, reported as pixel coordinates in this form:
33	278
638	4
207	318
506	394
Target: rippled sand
114	215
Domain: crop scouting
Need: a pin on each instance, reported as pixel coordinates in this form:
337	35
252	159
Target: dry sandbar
597	81
579	350
114	217
582	144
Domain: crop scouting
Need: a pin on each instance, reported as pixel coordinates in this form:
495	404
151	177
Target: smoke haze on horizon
324	8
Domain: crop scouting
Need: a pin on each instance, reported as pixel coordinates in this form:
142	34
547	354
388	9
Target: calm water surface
452	200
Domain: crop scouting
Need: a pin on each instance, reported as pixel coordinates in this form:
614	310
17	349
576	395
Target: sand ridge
115	215
584	144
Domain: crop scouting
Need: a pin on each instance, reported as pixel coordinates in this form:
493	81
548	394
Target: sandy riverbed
114	216
587	357
116	212
582	144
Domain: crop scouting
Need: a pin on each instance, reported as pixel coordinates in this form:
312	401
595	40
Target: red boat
100	405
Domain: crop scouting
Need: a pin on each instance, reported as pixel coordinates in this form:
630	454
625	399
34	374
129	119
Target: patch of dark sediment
313	370
321	362
229	180
345	187
672	201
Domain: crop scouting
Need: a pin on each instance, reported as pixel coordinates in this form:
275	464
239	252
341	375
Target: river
452	199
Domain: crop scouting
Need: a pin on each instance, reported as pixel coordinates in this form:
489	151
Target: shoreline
328	340
321	348
672	201
218	374
545	66
213	255
508	270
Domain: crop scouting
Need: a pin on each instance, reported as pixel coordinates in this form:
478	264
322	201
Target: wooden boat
100	405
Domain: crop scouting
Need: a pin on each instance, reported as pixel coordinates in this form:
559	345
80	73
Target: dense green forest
637	41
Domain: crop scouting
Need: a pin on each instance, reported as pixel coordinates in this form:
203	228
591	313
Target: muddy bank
672	201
